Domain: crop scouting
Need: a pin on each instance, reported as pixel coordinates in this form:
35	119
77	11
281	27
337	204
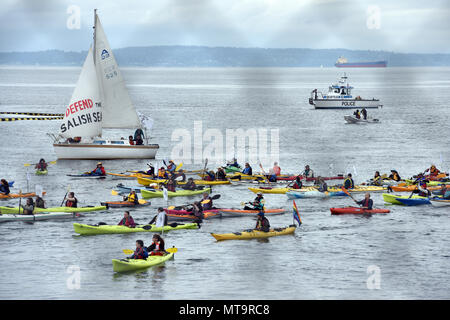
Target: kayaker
443	191
210	176
364	113
276	169
394	176
323	187
151	169
257	203
376	181
41	166
140	252
366	203
132	197
99	171
127	220
308	173
197	211
4	187
423	190
28	208
162	174
39	202
221	174
171	166
181	175
349	183
190	185
233	163
357	114
171	185
262	224
247	170
298	184
272	177
434	172
206	202
71	201
157	246
160	219
131	141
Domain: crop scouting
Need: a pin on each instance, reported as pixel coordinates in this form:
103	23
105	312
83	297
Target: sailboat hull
100	152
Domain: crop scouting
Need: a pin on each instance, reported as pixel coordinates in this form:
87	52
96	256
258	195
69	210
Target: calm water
328	256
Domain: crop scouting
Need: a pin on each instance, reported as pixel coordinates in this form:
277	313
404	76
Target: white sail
118	110
83	117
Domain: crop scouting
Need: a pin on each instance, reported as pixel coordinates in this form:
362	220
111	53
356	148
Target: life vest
72	204
352	184
434	171
132	198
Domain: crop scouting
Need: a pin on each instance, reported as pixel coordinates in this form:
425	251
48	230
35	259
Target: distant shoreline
200	57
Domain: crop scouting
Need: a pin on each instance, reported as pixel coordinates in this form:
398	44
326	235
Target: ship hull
345	104
376	64
100	152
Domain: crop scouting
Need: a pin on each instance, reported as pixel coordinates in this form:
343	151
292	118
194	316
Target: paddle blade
346	191
27	164
171	207
52	162
142	201
172	250
114	193
128	251
179	166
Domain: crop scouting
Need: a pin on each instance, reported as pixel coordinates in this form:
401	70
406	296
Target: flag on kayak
296	214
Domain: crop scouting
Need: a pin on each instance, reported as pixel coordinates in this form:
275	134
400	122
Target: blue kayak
313	194
413	202
126	189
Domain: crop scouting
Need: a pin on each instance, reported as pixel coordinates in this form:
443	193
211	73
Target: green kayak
392	198
232	169
124	265
179	193
41	172
15	210
85	229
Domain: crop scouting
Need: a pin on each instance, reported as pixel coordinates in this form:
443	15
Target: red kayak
292	178
356	210
185	212
190	217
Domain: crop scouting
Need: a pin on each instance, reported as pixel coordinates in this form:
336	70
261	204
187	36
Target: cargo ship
343	63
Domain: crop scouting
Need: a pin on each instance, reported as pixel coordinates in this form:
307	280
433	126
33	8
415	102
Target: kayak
122	204
413	202
440	202
179	193
393	198
314	194
293	177
124	265
241	212
85	229
356	210
190	217
15	210
254	234
351	119
147	182
37	217
360	188
411	188
41	172
272	190
88	176
385	182
125	189
186	212
15	195
430	183
232	169
330	189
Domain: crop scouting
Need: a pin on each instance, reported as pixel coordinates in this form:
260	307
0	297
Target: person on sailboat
160	219
131	141
4	187
99	171
127	220
132	197
137	133
71	201
41	166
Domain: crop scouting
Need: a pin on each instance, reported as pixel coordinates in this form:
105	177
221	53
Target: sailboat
101	101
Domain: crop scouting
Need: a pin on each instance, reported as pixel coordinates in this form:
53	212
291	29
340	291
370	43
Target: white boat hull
101	152
440	203
351	119
345	104
37	217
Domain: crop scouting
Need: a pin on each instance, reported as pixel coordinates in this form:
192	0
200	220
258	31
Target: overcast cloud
404	26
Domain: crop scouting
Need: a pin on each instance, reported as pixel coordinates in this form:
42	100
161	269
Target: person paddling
206	202
257	203
99	171
297	183
395	176
434	172
323	187
171	166
132	197
376	181
140	252
247	170
42	165
308	173
366	203
28	208
71	200
4	187
157	246
39	202
160	219
190	185
221	174
276	168
349	183
127	220
262	224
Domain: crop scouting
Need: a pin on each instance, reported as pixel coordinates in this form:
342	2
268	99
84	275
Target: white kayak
352	119
313	194
440	202
37	217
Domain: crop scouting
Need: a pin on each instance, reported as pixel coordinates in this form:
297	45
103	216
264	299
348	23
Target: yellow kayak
146	182
254	234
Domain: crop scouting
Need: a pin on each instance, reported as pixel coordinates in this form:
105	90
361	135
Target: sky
391	25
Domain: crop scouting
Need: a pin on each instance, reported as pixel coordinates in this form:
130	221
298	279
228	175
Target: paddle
204	169
348	193
20	199
68	188
30	164
417	186
114	193
260	165
179	166
170	250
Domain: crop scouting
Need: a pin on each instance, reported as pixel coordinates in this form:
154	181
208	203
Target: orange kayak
414	187
22	195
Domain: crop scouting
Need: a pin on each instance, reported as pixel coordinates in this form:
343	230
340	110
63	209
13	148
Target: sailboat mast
95	25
